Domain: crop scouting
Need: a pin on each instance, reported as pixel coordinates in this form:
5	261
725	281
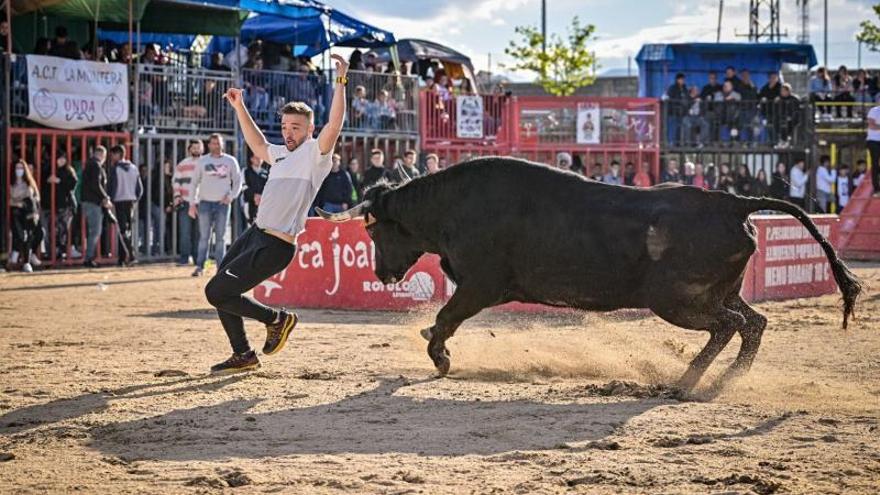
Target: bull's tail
849	284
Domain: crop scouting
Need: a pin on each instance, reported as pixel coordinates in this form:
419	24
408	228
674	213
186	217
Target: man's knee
215	292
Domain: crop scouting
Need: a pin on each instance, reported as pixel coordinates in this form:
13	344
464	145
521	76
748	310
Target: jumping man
267	247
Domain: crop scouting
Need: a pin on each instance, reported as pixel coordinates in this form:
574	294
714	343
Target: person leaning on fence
676	106
24	202
63	181
267	247
94	200
820	90
826	177
843	89
844	186
336	190
873	144
695	119
181	183
779	182
216	183
125	188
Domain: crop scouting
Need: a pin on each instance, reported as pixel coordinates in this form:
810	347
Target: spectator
761	187
409	166
643	176
597	173
779	182
689	171
730	76
613	175
217	63
843	90
797	181
432	164
466	88
563	160
24	202
444	163
787	116
215	185
72	51
671	173
255	178
820	90
356	61
843	187
94	200
361	108
58	44
726	180
825	179
700	180
863	87
444	86
187	227
125	54
256	95
336	190
711	87
149	213
750	124
769	96
743	185
729	111
63	181
124	187
629	174
386	110
858	174
375	171
695	118
873	145
4	33
357	177
677	100
43	46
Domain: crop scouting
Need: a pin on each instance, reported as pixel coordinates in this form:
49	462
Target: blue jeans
94	224
673	129
212	215
187	235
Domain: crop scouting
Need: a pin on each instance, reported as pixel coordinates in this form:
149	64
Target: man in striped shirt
188	227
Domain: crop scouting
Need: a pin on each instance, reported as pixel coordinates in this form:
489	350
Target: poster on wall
469	116
76	94
588	128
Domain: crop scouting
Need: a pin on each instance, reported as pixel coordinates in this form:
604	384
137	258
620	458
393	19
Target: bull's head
396	248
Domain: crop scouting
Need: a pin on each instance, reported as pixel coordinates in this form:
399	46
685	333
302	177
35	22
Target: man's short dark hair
861	160
298	108
713	72
60	32
824	158
377	151
216	136
118	150
680	75
432	156
843	166
409	152
730	67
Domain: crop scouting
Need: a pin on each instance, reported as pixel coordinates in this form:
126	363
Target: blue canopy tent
658	63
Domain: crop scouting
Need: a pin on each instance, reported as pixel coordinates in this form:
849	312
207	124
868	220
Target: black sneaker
198	272
237	364
91	264
276	333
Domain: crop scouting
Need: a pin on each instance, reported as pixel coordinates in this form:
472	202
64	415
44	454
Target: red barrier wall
333	268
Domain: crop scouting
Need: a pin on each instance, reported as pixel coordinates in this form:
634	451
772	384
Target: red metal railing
35	146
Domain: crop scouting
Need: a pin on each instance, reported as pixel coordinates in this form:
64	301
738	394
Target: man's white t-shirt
294	181
874	114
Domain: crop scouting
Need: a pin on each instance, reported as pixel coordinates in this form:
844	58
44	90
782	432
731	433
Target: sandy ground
103	389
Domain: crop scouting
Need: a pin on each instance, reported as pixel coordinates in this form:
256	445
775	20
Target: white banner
588	123
76	94
469	116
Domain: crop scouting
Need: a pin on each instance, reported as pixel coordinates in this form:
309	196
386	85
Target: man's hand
341	65
193	211
234	97
257	198
106	203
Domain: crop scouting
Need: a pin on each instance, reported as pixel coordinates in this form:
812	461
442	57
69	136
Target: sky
483	28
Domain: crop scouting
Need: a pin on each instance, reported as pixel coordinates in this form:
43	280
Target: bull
511	230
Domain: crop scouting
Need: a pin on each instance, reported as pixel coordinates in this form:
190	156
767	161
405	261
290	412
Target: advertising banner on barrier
333	268
334	263
76	94
469	116
588	123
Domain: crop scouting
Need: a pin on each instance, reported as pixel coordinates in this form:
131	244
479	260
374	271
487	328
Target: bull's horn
344	216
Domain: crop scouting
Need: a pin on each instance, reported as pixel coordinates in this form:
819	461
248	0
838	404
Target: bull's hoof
442	364
426	333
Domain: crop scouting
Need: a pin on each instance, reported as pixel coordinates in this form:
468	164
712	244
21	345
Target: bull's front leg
461	306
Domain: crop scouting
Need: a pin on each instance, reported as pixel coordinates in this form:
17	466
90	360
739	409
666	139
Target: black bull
509	230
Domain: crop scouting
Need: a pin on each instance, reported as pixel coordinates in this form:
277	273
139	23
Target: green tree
870	33
566	65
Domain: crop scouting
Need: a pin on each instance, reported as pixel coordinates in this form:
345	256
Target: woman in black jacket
779	182
255	177
64	181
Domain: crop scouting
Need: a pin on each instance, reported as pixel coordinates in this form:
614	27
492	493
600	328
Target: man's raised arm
330	132
255	139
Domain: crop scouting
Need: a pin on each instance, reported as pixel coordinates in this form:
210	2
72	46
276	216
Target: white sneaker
74	252
35	260
27	268
13	258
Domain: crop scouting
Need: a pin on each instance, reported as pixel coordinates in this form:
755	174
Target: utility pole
720	11
544	26
825	42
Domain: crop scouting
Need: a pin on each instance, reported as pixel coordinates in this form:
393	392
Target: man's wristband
341	80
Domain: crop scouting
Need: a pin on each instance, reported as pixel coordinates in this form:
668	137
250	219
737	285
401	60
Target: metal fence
179	99
382	103
266	91
777	124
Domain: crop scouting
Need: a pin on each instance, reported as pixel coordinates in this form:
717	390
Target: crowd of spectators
839	95
731	111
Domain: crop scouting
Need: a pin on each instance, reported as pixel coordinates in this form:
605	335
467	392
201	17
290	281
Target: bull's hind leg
750	333
463	304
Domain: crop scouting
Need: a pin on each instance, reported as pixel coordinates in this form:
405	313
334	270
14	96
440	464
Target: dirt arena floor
103	389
